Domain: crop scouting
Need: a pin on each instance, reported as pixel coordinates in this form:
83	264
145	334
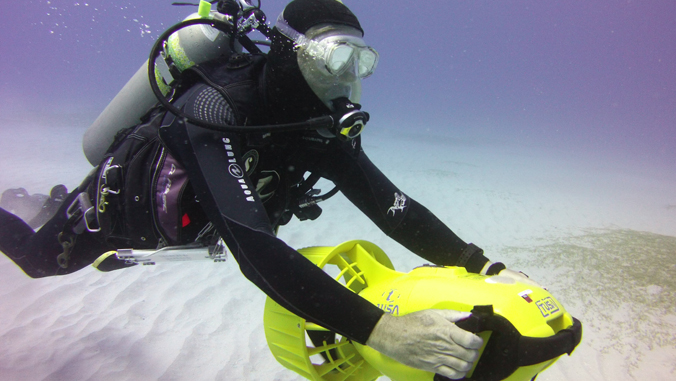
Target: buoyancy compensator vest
141	192
239	79
135	181
202	36
189	46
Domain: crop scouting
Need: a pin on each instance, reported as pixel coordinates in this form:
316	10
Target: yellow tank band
204	9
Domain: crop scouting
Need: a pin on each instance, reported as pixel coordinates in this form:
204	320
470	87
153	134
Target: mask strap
290	33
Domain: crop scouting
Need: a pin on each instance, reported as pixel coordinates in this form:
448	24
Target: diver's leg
14	233
34	252
37	252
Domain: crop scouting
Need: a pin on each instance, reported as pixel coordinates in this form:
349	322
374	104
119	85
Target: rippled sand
600	236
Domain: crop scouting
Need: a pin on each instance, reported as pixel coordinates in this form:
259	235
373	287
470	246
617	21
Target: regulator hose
327	121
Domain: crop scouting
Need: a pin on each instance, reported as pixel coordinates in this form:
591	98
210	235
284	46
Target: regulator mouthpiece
349	121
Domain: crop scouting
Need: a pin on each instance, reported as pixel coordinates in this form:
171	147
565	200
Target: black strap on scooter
507	350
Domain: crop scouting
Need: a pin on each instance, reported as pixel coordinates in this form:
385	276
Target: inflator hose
507	350
327	121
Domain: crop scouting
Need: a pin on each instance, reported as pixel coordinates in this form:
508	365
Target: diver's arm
401	217
211	160
410	223
427	339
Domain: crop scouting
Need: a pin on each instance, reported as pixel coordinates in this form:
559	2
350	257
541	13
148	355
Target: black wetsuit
248	185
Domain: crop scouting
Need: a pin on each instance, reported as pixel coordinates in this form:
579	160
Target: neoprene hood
289	95
302	15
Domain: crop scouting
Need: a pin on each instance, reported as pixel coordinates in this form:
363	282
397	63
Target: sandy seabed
601	234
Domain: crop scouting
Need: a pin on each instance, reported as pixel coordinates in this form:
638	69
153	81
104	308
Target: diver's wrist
378	337
472	259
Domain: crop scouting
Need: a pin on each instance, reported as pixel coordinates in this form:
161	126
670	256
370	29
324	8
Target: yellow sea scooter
524	328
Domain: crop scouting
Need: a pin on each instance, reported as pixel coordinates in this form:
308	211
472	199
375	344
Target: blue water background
590	82
576	76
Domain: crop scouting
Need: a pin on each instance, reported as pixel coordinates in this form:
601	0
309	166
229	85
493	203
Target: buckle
82	215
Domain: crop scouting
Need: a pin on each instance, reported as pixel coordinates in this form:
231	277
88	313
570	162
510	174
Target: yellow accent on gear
365	269
102	258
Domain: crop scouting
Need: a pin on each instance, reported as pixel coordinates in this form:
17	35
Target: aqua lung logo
547	306
391	302
236	171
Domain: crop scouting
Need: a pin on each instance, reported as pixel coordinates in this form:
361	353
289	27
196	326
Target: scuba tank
201	37
190	45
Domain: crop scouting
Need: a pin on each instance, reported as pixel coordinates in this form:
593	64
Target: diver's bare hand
428	340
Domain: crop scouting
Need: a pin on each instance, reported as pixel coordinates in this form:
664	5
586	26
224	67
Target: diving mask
334	48
337	53
333	59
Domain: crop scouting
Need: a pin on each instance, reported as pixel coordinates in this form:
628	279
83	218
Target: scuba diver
172	180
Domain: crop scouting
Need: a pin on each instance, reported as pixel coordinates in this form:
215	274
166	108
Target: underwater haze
582	75
542	131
